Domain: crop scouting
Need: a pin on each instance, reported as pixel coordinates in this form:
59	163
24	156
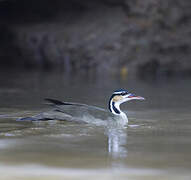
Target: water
156	145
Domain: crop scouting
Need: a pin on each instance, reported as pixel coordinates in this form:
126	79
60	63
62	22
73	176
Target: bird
83	113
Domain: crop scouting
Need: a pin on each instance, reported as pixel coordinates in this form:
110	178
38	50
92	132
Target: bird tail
26	119
56	102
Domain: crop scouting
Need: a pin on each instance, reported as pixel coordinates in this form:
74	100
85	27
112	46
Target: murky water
156	145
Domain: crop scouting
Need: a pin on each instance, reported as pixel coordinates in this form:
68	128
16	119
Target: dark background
150	38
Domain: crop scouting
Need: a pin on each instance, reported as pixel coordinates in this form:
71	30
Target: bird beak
139	98
136	97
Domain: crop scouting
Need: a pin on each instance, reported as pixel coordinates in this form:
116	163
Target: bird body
83	113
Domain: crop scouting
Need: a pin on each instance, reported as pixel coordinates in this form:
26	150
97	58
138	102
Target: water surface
156	144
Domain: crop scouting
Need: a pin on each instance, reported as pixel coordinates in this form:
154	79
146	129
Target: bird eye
123	93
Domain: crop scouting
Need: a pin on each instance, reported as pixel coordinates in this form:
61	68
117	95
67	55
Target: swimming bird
77	112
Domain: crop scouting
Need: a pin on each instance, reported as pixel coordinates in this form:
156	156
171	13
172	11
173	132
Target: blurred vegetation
146	38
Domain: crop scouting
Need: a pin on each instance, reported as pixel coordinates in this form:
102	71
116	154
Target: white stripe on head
119	92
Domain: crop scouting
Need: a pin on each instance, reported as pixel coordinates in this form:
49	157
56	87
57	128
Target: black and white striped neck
114	108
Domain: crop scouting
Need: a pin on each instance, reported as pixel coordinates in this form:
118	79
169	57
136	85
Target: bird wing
78	109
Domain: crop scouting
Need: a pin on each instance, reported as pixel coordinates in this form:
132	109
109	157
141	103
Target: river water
156	145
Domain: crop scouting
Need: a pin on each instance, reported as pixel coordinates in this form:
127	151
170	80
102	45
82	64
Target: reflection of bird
117	139
77	112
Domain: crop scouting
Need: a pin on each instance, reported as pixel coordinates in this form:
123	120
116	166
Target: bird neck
114	107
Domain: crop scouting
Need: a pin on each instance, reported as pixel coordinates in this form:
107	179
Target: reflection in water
117	139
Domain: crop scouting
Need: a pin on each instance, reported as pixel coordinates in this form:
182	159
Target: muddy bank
139	37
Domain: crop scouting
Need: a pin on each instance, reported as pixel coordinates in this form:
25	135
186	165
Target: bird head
121	96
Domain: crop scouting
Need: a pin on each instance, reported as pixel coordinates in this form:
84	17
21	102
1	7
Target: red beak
140	98
137	97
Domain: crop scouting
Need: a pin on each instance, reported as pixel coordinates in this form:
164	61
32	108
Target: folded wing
78	109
